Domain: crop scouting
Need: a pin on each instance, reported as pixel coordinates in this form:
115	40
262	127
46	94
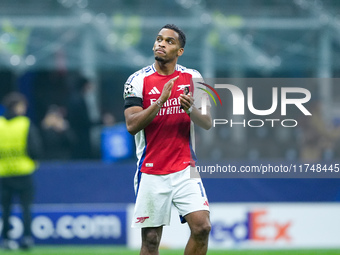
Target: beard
159	59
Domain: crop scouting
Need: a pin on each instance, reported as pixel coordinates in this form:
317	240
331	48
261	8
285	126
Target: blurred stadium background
47	47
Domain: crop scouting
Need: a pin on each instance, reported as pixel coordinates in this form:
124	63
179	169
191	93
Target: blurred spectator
20	145
79	119
57	136
107	120
317	138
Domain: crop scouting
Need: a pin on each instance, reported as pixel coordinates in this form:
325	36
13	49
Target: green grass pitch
114	250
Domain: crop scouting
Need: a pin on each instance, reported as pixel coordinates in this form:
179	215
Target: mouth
159	51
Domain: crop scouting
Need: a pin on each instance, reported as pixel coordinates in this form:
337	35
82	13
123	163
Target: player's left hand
186	101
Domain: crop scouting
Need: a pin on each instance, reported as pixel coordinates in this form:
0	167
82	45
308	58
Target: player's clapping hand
166	92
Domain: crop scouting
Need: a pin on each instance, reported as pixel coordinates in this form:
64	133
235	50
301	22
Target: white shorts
156	193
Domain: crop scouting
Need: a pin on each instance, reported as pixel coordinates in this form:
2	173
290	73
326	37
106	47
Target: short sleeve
199	93
133	87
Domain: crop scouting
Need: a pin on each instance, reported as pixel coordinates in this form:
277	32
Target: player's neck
165	68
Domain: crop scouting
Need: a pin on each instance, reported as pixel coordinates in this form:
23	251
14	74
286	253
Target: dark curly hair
181	38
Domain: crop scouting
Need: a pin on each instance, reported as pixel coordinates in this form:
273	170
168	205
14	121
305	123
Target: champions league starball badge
128	91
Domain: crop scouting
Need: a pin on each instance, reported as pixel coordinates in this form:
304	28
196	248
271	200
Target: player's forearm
203	121
138	118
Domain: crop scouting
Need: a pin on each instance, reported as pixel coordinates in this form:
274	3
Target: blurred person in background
108	120
57	136
20	146
79	119
318	139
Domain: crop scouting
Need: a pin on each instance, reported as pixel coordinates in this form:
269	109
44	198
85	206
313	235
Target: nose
161	43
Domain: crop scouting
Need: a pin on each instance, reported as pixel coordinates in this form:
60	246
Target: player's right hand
166	92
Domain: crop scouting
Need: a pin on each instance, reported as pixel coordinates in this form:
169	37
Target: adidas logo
154	91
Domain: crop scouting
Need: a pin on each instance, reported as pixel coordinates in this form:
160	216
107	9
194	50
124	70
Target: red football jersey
166	145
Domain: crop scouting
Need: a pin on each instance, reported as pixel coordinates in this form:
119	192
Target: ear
180	52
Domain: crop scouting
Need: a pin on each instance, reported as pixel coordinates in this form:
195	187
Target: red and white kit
165	149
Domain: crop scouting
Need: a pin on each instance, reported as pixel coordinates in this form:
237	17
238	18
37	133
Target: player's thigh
153	202
190	195
199	221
